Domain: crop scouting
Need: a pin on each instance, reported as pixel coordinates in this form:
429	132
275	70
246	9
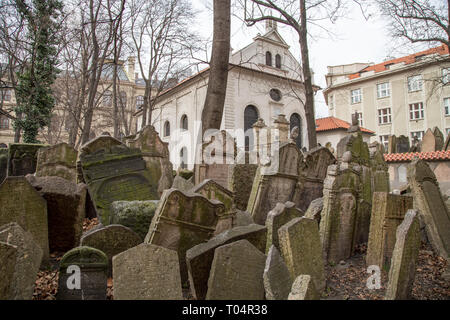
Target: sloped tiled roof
428	156
332	123
442	50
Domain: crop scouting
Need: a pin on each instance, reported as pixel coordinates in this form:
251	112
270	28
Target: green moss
186	174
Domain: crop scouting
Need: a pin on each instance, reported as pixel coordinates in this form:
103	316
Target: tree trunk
218	75
146	104
17	131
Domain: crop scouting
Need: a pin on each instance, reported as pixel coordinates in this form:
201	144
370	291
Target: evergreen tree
34	93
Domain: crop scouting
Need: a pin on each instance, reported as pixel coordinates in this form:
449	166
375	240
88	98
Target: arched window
269	58
107	99
123	99
166	129
250	117
184	122
278	61
183	158
139	102
296	121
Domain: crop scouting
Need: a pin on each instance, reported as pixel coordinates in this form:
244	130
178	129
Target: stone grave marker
182	184
22	158
8	257
3	164
240	181
303	289
59	160
402	144
315	209
433	140
277	279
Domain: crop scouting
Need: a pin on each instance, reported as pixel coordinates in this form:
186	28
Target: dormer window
278	61
269	58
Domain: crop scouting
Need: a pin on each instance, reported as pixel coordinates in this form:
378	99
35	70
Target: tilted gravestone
303	289
136	215
183	221
22	204
200	257
83	275
182	184
433	140
28	259
65	210
114	172
147	272
379	168
3	163
388	212
277	279
404	258
59	160
156	156
22	158
314	210
276	218
8	256
237	273
431	205
240	181
301	250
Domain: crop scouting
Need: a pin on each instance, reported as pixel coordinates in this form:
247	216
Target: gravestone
404	258
183	221
240	181
276	218
65	210
3	163
242	218
200	257
388	212
182	184
431	205
136	215
277	280
28	259
392	144
433	140
303	289
111	240
156	156
22	204
59	160
114	172
8	257
237	273
402	144
22	158
147	272
93	275
314	210
379	168
301	250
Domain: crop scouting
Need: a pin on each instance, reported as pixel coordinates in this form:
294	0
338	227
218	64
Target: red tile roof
428	156
332	123
442	50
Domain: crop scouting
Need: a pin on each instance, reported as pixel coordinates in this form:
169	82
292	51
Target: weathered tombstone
3	164
156	156
301	250
237	273
136	215
83	275
65	210
182	184
8	257
22	204
388	212
111	240
277	279
242	218
59	160
200	257
303	289
28	259
433	140
314	210
240	181
183	221
404	258
22	158
114	172
402	144
379	168
147	272
446	146
392	144
431	205
276	218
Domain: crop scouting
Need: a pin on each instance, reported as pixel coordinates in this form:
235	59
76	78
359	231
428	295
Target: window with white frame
360	119
356	96
384	140
417	134
384	116
445	75
331	101
416	111
383	90
139	102
4	122
5	94
415	83
447	106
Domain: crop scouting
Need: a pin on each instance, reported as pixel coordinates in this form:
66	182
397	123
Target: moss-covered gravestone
8	257
59	160
240	181
83	275
22	158
3	163
277	279
303	289
114	172
379	168
433	140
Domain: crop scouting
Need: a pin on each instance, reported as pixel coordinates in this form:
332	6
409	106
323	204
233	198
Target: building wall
334	136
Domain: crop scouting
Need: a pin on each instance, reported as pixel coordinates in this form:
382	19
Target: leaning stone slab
8	257
147	272
277	279
182	184
314	210
404	258
22	204
388	212
65	208
22	158
237	273
303	289
3	163
276	218
59	160
240	181
242	218
301	250
28	259
136	215
93	267
200	257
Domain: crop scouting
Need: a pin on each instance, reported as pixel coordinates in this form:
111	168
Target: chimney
271	25
131	72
